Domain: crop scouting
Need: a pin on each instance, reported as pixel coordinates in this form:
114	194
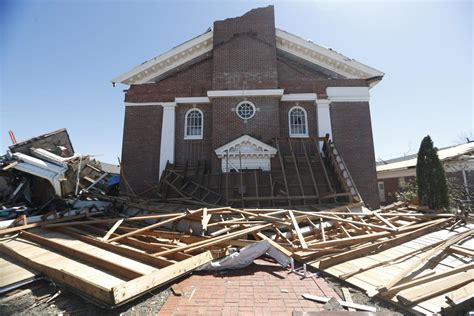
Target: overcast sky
57	59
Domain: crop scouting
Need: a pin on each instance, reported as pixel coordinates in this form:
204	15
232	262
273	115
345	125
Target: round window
245	110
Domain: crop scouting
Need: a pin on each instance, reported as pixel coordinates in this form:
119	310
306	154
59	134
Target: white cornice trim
348	94
326	58
245	93
192	100
142	103
163	104
299	97
167	61
292	44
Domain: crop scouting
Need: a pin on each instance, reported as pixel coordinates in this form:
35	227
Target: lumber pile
115	259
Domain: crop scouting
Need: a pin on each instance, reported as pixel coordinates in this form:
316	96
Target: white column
324	118
167	135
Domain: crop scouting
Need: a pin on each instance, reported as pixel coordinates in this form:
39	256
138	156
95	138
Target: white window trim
247	102
191	137
305	135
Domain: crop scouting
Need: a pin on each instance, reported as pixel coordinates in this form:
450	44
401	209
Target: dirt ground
34	299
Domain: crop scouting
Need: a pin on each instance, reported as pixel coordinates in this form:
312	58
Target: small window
298	122
245	110
193	123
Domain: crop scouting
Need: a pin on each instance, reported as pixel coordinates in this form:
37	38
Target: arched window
298	122
193	124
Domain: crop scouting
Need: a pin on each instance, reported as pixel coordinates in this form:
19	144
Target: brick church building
251	115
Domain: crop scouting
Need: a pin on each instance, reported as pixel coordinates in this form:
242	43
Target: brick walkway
264	288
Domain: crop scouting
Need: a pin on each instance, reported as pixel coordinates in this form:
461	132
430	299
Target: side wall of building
352	135
141	148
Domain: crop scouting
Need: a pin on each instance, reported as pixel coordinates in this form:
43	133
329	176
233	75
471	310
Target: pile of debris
38	174
61	218
424	256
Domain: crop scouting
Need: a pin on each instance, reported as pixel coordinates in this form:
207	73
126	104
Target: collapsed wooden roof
404	254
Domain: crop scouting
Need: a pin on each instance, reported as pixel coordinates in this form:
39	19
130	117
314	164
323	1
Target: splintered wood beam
108	265
298	231
170	220
426	279
316	215
378	245
94	290
112	230
389	261
433	289
282	249
133	288
425	256
279	233
459	250
385	221
321	226
262	216
205	219
123	251
202	245
39	224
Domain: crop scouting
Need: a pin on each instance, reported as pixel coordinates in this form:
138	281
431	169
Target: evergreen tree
430	177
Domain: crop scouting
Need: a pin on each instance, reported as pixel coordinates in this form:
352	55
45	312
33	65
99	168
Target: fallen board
375	278
105	286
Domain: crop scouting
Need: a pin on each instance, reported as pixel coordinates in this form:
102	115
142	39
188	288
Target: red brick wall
193	81
295	77
141	147
352	135
193	150
245	51
310	112
142	128
227	126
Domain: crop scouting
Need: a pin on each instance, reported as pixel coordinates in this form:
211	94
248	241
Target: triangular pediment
285	42
245	146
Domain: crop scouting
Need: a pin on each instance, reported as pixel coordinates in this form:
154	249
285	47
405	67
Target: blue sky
57	59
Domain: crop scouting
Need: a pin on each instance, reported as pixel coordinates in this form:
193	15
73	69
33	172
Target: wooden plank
275	244
74	282
213	241
384	220
311	172
113	229
282	165
298	176
461	295
323	299
429	278
432	289
39	224
348	298
461	251
256	188
161	223
108	265
130	289
426	256
377	246
298	231
388	261
123	251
